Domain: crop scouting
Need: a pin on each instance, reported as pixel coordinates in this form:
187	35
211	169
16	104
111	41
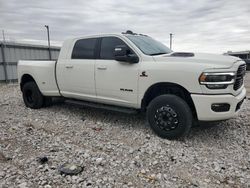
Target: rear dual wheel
169	116
33	98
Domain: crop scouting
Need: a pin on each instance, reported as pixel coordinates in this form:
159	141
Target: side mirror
123	53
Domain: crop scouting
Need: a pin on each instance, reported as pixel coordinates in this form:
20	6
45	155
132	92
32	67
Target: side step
102	106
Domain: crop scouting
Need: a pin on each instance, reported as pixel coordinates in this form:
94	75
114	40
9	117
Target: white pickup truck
135	72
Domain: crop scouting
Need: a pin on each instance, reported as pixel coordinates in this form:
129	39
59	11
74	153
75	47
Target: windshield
148	45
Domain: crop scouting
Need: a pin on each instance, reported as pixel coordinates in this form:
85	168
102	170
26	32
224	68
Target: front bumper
203	105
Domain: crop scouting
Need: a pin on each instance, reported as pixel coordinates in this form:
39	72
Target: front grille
239	76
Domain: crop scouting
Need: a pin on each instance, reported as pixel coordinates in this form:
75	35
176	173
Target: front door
116	82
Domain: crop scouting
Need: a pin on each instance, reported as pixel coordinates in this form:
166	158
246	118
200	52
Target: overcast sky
198	25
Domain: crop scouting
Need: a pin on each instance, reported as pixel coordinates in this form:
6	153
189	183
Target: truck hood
211	60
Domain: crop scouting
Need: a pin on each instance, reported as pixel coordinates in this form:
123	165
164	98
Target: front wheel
169	116
32	96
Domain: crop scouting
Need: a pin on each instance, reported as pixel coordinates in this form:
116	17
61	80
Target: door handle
69	66
102	68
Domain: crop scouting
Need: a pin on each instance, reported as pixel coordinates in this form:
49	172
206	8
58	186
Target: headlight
217	80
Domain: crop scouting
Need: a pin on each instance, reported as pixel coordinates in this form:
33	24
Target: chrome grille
239	76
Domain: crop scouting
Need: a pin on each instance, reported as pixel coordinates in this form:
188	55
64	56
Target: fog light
220	107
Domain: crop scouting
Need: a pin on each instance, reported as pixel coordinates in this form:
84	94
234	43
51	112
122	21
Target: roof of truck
127	33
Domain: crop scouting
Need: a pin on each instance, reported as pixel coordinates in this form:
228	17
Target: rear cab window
84	49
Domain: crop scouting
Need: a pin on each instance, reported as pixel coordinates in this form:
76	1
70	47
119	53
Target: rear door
116	82
76	74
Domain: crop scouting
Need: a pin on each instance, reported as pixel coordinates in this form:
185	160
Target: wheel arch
26	78
161	88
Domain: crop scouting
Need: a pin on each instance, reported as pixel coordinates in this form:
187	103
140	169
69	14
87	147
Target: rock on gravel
116	150
70	169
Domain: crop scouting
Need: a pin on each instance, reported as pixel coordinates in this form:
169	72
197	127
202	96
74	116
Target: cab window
108	45
84	49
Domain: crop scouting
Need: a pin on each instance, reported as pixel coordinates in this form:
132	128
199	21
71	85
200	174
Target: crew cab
134	72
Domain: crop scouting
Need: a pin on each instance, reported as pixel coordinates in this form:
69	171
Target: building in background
11	53
245	55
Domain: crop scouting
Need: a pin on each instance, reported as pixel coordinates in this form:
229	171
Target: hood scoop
182	54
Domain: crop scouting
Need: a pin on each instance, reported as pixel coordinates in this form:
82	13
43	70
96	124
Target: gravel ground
116	150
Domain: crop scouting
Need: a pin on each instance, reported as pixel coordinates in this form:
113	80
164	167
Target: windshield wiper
160	53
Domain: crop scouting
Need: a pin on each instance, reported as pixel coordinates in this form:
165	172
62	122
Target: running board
102	106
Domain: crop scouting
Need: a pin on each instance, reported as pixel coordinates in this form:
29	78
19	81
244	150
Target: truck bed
44	74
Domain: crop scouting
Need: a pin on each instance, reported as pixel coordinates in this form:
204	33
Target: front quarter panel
185	75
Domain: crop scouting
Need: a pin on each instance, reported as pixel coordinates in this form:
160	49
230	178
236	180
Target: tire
32	96
169	116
